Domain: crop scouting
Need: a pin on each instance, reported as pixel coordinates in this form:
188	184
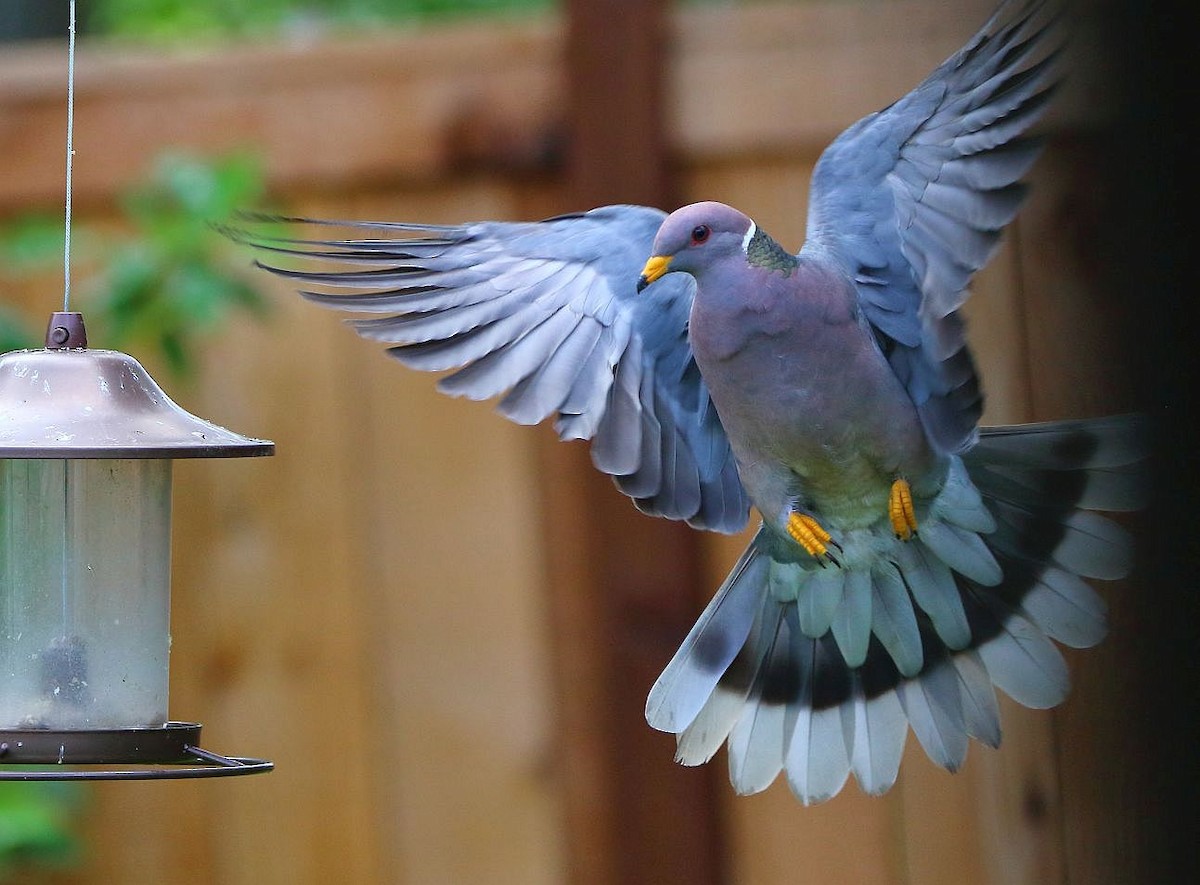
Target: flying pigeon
907	562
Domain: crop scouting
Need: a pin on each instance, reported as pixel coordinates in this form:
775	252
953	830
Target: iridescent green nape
762	251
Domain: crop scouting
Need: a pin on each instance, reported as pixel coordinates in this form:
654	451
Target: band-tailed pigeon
907	561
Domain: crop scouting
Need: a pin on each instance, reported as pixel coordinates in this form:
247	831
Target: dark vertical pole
1153	236
616	85
626	587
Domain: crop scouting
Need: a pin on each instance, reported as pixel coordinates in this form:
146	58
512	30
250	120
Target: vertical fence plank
454	576
618	616
1078	352
272	653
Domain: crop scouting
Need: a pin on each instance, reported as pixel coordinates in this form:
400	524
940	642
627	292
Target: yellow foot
807	532
900	510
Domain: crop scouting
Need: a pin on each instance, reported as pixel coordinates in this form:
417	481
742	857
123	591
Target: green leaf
15	332
175	281
31	242
172	278
36	824
176	21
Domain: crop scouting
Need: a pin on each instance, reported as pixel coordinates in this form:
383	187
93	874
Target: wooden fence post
625	587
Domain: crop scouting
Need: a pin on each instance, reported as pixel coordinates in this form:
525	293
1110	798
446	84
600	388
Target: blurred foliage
35	825
173	280
31	242
173	20
167	278
15	332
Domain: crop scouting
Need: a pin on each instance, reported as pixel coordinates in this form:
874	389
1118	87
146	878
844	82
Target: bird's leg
809	534
900	510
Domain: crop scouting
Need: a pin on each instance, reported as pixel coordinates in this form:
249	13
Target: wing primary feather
616	447
543	392
497	371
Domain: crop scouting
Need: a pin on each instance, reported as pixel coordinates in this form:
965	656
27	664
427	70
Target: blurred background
441	627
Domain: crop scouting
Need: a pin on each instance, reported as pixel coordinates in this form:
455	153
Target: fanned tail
820	673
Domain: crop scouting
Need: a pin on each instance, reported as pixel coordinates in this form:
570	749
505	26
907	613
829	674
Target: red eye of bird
700	233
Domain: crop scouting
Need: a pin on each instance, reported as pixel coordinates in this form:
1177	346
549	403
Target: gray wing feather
981	713
541	393
893	620
759	738
912	200
1020	660
933	705
516	359
685	686
546	317
617	446
875	730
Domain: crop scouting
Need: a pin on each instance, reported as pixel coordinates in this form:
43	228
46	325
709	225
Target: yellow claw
900	510
807	532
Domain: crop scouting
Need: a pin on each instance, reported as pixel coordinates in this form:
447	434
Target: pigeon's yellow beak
655	268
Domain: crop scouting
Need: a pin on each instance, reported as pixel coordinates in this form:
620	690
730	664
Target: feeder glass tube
84	592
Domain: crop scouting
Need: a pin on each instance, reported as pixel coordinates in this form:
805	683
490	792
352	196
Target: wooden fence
371	608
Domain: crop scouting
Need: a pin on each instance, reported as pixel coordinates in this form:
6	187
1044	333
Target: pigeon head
694	237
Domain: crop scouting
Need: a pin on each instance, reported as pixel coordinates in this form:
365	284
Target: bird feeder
87	440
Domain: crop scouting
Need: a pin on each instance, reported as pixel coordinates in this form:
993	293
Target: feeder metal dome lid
81	403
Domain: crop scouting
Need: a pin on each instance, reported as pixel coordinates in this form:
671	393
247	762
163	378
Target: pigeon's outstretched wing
546	315
912	201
